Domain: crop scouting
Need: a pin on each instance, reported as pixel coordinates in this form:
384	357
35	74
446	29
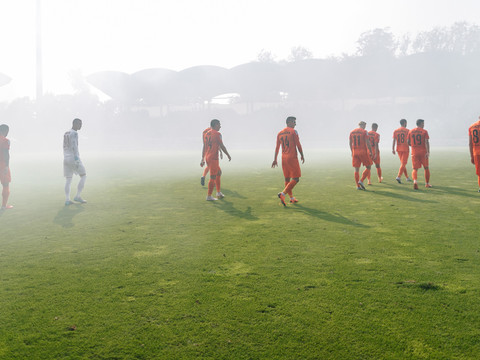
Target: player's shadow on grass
233	194
325	215
401	196
456	191
228	207
66	214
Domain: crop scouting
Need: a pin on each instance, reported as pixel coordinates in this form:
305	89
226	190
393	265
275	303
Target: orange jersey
212	140
374	139
289	140
417	138
474	135
4	147
401	135
358	141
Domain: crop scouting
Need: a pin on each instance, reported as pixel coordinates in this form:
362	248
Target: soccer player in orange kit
212	143
374	138
418	140
359	144
290	142
400	138
5	177
206	169
474	145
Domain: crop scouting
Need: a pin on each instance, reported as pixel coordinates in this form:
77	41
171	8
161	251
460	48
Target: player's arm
427	146
300	150
393	144
350	143
224	149
470	145
6	157
277	148
367	141
202	162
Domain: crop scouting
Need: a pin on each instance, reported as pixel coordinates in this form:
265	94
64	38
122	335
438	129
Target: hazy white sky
131	35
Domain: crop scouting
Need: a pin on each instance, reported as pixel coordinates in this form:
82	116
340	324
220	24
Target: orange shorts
5	177
291	167
376	161
362	158
403	155
419	160
214	166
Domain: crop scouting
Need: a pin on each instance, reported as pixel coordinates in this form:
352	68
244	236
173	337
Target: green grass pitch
148	269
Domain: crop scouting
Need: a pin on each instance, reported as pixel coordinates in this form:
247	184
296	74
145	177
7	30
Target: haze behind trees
434	76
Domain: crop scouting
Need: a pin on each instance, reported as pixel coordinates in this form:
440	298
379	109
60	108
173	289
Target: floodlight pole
39	82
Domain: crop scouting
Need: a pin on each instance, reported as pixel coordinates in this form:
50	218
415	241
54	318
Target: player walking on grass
72	163
5	176
474	145
400	138
359	143
212	144
290	142
206	169
418	139
374	138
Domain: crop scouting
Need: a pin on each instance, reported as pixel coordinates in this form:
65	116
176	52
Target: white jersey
70	145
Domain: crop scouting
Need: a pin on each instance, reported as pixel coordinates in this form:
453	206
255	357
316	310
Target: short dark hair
403	122
419	121
290	118
76	120
4	129
213	122
375	125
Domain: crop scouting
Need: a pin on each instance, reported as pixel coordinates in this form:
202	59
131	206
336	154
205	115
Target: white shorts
70	167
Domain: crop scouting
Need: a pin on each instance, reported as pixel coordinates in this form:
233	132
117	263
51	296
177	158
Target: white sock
81	185
68	182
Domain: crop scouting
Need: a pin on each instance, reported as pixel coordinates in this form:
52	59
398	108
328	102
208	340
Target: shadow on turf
233	194
228	207
401	196
66	214
325	215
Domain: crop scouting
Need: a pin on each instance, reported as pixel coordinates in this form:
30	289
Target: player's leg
80	187
81	184
356	162
68	183
379	169
5	195
427	172
204	174
218	183
367	162
214	168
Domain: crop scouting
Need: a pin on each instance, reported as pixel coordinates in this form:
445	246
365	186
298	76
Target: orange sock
286	185
427	175
217	183
479	181
414	174
357	177
211	185
379	173
365	173
288	189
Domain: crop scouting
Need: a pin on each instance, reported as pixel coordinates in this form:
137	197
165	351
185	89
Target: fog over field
148	76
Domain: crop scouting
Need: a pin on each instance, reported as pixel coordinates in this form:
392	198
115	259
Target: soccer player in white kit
72	163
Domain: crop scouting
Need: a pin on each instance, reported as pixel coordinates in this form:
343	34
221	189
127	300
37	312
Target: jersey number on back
417	139
285	143
475	136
